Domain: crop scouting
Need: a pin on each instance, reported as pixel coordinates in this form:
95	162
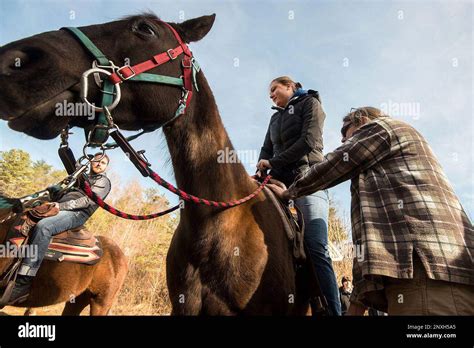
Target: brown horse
220	261
78	285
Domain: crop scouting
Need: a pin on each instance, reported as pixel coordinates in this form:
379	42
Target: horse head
42	71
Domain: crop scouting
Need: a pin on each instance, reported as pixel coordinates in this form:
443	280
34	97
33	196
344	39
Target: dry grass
338	235
145	243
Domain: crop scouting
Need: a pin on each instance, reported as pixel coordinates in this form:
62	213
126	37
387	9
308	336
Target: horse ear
195	29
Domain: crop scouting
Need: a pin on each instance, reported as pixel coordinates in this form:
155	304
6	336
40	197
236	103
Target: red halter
126	72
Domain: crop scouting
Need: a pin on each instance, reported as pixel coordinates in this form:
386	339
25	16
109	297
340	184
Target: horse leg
105	292
100	305
29	312
187	300
76	307
214	305
108	278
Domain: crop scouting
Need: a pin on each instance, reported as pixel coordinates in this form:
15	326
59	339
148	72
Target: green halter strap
99	131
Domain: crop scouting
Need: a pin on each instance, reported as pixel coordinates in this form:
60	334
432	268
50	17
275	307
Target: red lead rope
190	198
187	197
100	202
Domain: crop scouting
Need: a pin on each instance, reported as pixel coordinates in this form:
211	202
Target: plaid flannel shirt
401	201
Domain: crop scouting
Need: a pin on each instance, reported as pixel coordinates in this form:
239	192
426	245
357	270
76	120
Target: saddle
293	224
75	245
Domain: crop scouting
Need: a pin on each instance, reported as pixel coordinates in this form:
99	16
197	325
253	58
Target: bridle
105	126
110	86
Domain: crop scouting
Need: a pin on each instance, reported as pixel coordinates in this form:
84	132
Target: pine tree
20	176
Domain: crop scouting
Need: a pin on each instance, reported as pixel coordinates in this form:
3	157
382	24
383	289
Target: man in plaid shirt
413	238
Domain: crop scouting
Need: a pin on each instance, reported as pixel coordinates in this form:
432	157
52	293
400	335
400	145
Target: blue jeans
315	209
44	231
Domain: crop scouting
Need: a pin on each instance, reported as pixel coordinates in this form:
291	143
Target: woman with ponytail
293	143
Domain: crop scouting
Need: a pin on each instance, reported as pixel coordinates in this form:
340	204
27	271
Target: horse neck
195	141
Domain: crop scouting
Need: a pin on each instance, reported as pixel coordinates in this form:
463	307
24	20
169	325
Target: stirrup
319	306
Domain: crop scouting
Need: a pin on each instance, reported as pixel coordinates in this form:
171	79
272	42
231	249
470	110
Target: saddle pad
77	245
60	252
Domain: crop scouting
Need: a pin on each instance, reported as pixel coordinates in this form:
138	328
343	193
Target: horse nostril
33	54
15	60
28	56
11	61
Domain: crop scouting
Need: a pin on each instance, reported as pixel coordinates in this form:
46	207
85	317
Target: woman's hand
264	164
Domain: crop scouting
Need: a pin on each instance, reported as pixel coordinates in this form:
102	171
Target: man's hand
279	191
264	164
355	309
277	183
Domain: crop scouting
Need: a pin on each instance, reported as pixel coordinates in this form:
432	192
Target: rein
185	196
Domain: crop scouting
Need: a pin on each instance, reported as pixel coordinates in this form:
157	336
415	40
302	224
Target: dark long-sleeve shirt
76	199
294	140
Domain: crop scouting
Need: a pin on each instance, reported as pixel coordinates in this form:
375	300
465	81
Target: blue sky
416	56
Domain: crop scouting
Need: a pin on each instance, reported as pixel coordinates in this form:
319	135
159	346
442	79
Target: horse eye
145	28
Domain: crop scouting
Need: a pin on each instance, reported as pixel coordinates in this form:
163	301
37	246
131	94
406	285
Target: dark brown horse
78	285
221	261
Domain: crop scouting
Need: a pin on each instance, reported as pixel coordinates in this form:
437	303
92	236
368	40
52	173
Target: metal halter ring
82	159
98	81
101	155
85	89
86	155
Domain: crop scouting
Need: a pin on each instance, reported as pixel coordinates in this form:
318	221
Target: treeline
20	175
